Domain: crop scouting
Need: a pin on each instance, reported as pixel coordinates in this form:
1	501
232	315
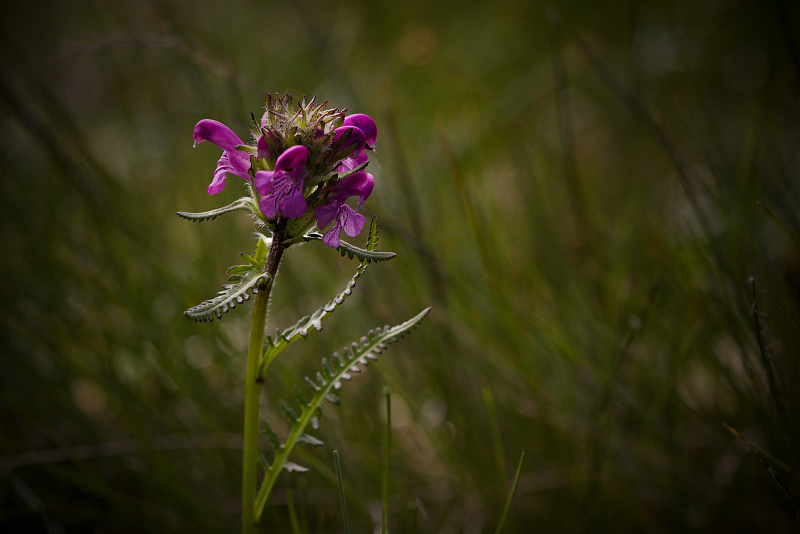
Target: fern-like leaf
313	321
244	203
358	354
352	251
304	325
367	255
234	293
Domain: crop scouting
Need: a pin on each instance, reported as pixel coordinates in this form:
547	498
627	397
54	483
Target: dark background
571	186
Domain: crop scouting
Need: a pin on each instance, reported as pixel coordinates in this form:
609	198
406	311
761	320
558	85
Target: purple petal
232	161
294	205
331	237
291	158
348	164
354	142
224	167
358	185
352	222
218	183
325	214
366	125
217	133
269	206
263	182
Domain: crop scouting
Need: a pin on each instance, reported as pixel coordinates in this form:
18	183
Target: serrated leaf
372	236
244	204
352	251
304	325
359	354
237	292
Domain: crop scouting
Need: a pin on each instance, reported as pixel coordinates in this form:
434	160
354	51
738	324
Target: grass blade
44	517
510	496
341	492
387	445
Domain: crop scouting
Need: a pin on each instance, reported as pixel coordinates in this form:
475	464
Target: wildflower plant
302	166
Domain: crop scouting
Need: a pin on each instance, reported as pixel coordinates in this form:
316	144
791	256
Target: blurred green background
571	186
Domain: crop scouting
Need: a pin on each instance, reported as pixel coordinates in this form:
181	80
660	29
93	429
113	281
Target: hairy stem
253	383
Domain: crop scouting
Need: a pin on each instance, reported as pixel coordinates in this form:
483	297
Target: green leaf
511	494
372	235
351	251
304	325
235	293
365	255
358	354
245	278
245	203
258	259
239	269
341	492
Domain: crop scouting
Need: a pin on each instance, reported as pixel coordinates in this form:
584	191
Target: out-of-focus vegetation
572	187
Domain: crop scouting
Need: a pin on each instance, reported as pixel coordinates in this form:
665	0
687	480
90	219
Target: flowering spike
303	162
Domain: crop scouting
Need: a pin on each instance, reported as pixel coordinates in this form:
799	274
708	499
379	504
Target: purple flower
348	164
353	143
337	211
232	161
366	125
281	190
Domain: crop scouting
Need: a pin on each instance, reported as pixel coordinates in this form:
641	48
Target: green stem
253	383
387	446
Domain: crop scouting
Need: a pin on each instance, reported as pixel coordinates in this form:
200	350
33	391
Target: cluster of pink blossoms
305	160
